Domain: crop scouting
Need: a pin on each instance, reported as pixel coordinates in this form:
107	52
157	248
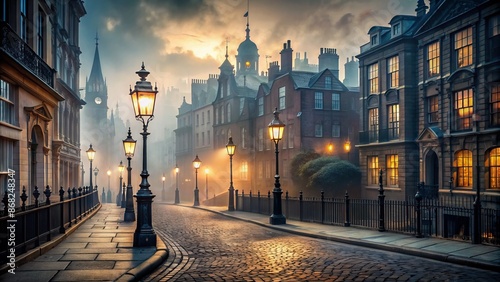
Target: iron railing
437	217
30	226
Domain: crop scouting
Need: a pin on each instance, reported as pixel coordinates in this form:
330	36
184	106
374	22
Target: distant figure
103	197
109	196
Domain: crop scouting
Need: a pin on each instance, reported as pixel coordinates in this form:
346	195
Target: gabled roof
336	84
430	133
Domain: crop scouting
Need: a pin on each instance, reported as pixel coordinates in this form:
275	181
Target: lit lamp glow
230	148
196	165
129	148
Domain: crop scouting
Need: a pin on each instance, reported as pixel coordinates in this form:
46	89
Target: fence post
36	194
47	193
418	198
322	206
381	197
258	201
243	200
69	206
24	197
235	202
250	195
80	201
286	203
347	221
301	215
61	200
74	205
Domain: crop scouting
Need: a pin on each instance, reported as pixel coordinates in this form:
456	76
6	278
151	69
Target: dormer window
374	40
396	29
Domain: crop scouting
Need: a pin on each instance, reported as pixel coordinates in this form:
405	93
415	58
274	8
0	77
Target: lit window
373	124
336	101
318	100
244	171
464	108
494	167
393	121
463	167
6	102
373	78
373	170
260	170
433	59
261	106
282	98
318	130
463	47
432	109
495	105
393	71
392	170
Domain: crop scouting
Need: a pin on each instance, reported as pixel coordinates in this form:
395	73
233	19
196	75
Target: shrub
297	162
336	178
307	170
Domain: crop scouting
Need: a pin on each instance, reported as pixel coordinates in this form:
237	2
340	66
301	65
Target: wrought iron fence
29	226
437	217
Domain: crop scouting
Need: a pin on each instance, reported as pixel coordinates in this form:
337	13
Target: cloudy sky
179	40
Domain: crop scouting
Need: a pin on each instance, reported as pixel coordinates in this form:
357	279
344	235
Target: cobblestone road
205	246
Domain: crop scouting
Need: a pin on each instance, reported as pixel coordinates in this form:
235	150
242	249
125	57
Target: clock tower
96	92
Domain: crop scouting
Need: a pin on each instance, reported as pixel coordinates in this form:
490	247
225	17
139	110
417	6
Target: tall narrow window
373	124
242	103
494	37
40	33
208	116
216	116
6	102
23	24
318	100
244	171
494	168
463	48
392	170
208	137
336	101
282	97
373	170
464	108
228	112
433	59
336	129
243	138
222	110
432	109
495	105
393	121
393	72
261	106
463	167
197	120
328	82
373	78
6	161
374	40
318	130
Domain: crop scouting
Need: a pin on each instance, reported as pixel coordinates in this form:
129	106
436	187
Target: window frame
373	83
336	101
373	168
433	109
393	121
463	47
282	98
433	59
392	170
494	169
495	105
318	100
463	169
465	105
393	71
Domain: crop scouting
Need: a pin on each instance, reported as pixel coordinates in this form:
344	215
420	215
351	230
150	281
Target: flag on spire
246	14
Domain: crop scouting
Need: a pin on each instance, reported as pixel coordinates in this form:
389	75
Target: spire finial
96	38
227	42
248	20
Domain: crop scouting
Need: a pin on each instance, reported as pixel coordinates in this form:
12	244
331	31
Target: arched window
463	168
494	167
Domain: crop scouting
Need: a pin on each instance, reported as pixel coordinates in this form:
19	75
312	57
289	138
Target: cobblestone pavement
205	246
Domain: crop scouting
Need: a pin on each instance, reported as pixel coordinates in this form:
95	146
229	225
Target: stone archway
431	173
37	165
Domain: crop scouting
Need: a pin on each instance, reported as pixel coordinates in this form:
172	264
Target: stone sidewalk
100	249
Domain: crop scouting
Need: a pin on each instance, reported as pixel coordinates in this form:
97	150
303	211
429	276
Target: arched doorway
37	170
431	174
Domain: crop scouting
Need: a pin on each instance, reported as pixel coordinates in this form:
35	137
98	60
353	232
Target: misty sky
179	40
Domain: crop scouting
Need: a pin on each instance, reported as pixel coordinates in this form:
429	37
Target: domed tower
247	60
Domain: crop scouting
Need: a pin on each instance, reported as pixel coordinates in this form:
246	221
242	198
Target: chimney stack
328	59
286	57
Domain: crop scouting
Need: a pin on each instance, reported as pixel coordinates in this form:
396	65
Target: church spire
96	79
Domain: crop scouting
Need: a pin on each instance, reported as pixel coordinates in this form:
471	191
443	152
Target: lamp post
230	148
477	202
129	148
196	165
206	183
347	148
90	156
163	188
96	172
176	184
143	99
119	197
276	128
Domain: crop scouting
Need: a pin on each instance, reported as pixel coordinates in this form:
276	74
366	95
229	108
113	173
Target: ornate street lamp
129	148
347	148
177	200
276	128
120	199
196	165
206	183
90	156
96	172
163	188
230	148
143	99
